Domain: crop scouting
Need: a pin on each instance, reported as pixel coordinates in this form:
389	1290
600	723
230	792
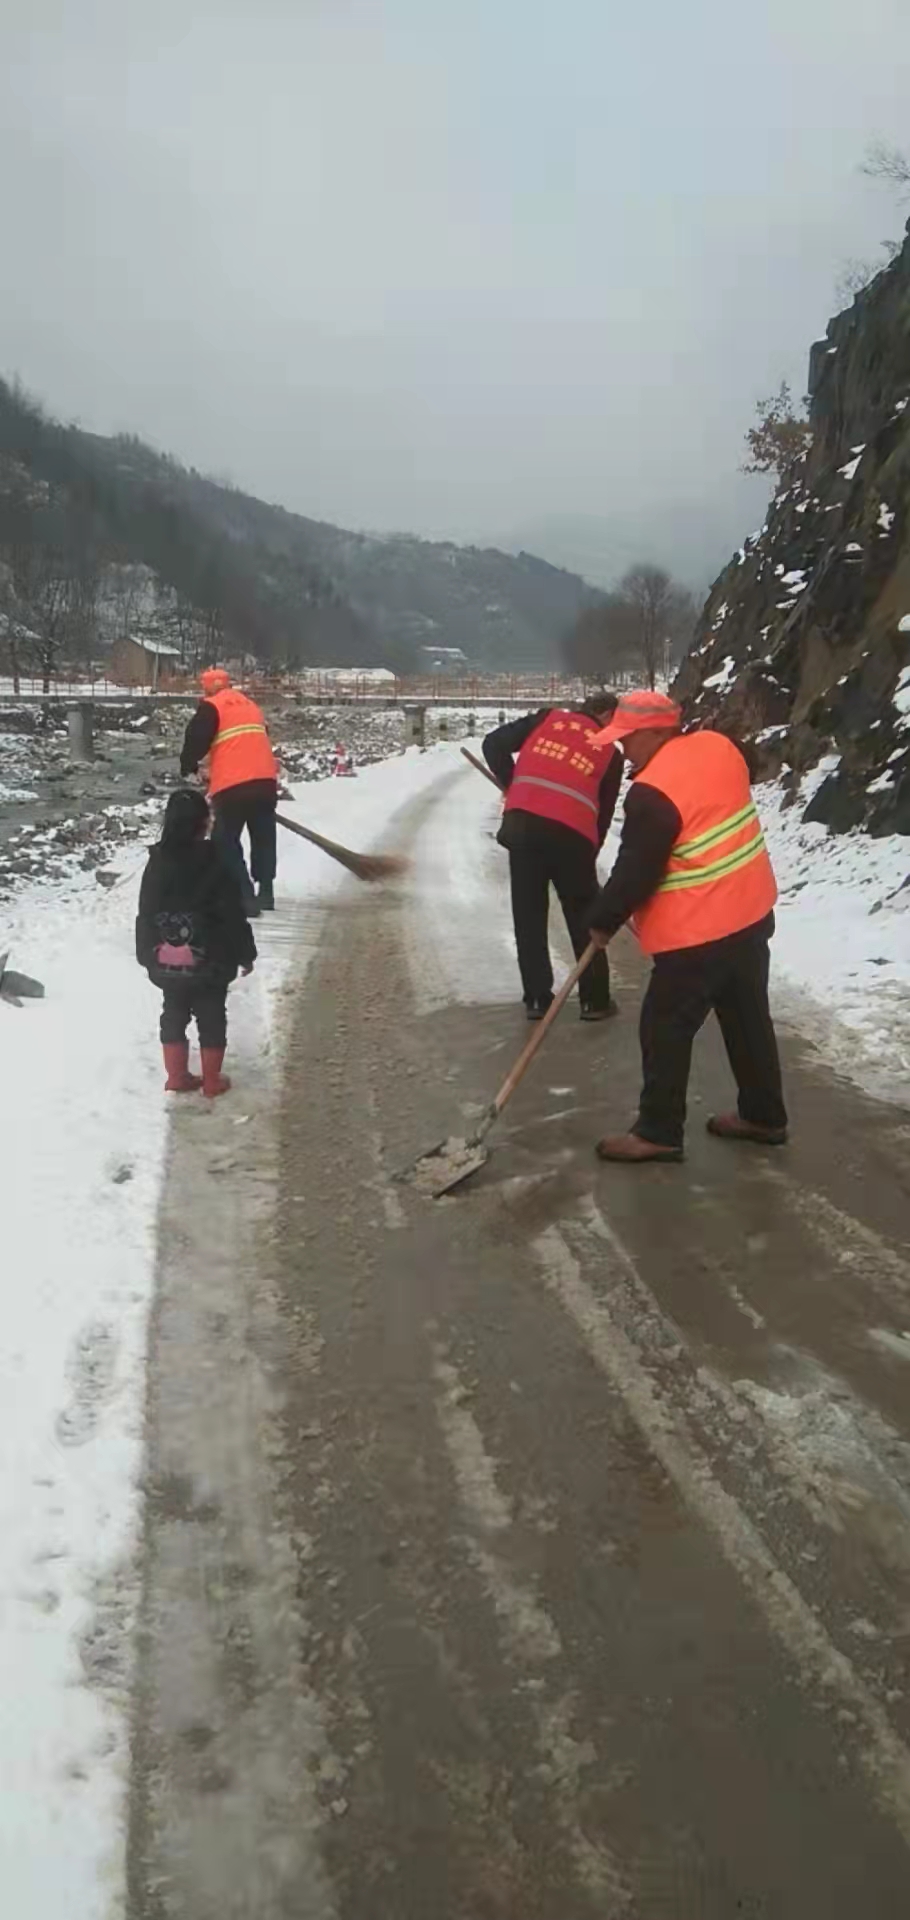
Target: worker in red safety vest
694	880
560	794
230	730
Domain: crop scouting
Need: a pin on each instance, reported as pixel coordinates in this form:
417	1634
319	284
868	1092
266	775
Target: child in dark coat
192	936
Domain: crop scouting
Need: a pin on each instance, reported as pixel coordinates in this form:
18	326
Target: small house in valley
144	663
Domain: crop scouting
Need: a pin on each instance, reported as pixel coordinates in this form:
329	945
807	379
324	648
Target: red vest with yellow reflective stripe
240	750
558	773
719	878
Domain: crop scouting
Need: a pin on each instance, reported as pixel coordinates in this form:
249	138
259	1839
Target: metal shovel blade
447	1165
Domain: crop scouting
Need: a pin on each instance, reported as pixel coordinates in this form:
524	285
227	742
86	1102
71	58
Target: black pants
207	1005
731	977
542	852
252	806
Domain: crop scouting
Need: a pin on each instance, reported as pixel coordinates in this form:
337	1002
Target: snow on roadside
842	951
83	1129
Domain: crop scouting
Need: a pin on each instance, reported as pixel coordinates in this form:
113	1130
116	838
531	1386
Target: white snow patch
82	1135
817	776
850	469
886	518
796	580
901	696
853	546
846	966
724	674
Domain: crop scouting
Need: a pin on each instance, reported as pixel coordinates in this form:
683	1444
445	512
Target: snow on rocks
901	695
886	518
849	471
723	676
842	950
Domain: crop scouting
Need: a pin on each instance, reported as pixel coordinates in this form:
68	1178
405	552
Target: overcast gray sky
455	265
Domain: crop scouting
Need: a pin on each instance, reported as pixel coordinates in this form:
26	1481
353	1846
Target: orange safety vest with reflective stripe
240	750
558	773
719	878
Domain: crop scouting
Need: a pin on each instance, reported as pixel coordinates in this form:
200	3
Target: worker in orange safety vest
694	880
230	730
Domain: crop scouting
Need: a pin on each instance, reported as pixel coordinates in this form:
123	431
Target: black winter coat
190	902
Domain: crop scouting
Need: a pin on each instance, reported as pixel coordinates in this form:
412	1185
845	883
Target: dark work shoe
267	898
630	1150
251	907
729	1126
535	1009
608	1012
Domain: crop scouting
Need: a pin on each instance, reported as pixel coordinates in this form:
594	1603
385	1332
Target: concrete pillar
81	731
417	727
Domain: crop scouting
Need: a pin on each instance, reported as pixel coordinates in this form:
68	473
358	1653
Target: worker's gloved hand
599	939
246	971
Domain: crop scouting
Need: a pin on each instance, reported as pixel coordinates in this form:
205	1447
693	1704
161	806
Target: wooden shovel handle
474	762
540	1032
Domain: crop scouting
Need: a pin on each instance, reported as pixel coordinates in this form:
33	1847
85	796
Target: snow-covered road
82	1146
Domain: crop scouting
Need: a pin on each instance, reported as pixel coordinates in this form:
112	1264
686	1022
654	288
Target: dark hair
598	703
186	817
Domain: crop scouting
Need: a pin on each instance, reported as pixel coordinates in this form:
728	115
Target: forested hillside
98	534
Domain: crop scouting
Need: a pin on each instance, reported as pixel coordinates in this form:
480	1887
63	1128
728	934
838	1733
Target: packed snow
82	1136
849	471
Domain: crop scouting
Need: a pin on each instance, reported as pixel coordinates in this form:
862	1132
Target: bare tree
888	164
779	438
663	612
602	644
9	624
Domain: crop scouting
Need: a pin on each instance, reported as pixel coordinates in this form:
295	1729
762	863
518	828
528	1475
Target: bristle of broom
378	866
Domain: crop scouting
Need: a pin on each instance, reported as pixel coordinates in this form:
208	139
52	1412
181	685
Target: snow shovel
472	757
16	987
455	1160
367	866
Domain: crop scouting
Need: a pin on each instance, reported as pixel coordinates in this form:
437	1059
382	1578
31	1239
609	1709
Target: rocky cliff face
804	644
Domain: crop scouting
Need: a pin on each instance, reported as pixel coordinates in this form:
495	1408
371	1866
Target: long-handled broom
366	866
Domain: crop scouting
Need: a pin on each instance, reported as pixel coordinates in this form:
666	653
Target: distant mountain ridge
290	589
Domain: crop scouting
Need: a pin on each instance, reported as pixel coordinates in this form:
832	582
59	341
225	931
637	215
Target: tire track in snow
884	1757
531	1636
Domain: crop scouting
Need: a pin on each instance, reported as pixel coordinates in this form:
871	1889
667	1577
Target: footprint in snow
90	1371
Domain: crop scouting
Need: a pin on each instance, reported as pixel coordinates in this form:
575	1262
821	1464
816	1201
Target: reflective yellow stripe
704	840
553	786
718	868
230	733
